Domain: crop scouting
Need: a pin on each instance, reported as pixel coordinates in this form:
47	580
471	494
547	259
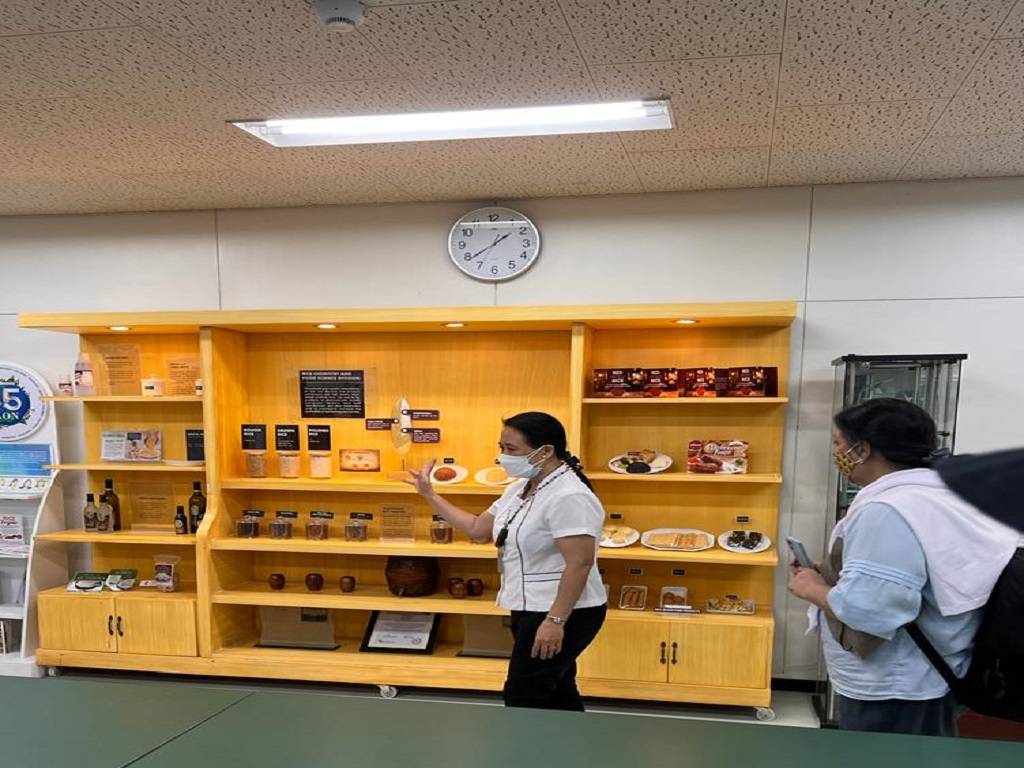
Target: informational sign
380	425
22	408
398	523
332	394
195	445
425	415
254	437
318	437
121	363
28	433
286	437
426	436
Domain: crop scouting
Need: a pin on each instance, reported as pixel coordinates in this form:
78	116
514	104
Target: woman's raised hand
420	479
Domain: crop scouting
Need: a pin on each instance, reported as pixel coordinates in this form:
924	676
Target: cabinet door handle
675	647
120	627
663	653
110	625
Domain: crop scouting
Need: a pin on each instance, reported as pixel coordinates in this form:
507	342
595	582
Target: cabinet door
70	622
719	655
628	650
160	625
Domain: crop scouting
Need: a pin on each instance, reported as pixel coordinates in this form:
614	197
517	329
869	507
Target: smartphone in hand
799	552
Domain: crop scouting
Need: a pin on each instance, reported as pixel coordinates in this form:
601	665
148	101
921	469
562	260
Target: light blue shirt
882	587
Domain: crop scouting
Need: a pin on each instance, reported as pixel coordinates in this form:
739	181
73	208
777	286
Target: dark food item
638	468
475	587
276	580
745	539
317	530
753	539
248	528
280	529
736	538
457	588
348	583
314	582
412	576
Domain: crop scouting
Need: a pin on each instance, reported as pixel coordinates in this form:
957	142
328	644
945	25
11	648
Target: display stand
30	493
501	361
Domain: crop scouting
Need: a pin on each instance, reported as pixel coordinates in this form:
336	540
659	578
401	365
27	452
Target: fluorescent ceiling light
471	124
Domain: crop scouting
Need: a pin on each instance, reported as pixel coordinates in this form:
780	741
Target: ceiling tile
992	99
539	81
615	31
947	157
849	142
715	102
556	166
32	17
17	84
440	39
1014	24
701	168
356	97
875	50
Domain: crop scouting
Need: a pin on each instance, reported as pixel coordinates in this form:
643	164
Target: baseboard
798	686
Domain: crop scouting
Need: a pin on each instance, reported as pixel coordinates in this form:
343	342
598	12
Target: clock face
494	244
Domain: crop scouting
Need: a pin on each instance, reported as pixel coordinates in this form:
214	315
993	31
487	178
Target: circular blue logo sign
22	408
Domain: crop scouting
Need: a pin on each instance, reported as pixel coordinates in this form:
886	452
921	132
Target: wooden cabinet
682	651
161	625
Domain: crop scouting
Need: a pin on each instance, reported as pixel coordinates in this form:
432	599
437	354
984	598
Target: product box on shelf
704	382
661	382
619	382
752	381
717	457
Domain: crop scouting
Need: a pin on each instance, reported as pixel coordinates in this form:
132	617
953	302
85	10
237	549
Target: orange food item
444	474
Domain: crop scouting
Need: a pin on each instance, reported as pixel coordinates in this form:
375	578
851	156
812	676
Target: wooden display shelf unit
81	536
111	466
125	399
504	360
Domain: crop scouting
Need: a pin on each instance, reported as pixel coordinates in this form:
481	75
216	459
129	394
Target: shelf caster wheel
388	691
53	671
764	714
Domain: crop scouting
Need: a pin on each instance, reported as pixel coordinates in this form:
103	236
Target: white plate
631	539
647	534
661	462
461	473
761	547
480	475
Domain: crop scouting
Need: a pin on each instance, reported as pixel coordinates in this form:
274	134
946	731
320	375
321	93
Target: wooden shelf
111	466
368	598
342	547
342	485
686	401
763	617
685	477
186	592
123	399
80	536
714	556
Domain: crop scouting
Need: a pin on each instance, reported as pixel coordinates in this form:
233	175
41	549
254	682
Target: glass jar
355	530
318	529
281	528
248	528
320	465
440	532
288	464
255	463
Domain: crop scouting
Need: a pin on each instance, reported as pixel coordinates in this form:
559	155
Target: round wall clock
494	244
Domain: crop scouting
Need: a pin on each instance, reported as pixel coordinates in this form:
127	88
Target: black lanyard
502	536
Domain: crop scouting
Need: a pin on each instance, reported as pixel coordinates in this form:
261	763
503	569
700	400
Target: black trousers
550	683
932	717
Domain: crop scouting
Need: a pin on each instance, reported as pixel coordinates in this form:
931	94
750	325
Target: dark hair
544	429
902	432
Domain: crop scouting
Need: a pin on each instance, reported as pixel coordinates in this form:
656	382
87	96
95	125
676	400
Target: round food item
444	473
638	468
492	476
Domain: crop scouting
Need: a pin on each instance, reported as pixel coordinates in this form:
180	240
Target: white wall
876	268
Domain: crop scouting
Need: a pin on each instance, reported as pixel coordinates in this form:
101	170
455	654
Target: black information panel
332	394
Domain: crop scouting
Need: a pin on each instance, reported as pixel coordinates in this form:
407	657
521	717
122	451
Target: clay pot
457	588
475	587
412	576
348	583
314	582
276	580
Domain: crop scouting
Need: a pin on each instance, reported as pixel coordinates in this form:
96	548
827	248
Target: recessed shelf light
686	321
326	326
612	117
454	325
120	328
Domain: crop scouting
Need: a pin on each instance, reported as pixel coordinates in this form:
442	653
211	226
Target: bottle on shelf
84	382
104	517
90	512
180	522
109	497
196	507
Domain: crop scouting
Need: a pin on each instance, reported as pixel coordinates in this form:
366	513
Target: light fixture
686	321
454	325
119	328
468	124
326	326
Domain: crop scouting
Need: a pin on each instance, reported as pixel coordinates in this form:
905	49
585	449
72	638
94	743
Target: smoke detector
340	15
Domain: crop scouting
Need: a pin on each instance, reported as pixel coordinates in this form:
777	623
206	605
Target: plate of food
614	535
731	604
633	598
493	476
674	597
744	542
448	474
646	462
678	539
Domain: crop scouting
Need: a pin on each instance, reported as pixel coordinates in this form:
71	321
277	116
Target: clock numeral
493	216
526	243
494	270
467	256
523	255
523	230
512	265
462	244
467	232
479	265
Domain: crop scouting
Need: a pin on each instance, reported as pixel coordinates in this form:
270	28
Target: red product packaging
701	382
717	457
661	382
618	382
754	381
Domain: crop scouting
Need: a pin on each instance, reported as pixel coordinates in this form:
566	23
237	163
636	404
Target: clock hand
496	241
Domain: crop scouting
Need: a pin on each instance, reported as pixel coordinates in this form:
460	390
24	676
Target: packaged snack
717	457
703	382
754	381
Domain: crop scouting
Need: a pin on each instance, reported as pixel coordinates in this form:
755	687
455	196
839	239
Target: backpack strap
955	683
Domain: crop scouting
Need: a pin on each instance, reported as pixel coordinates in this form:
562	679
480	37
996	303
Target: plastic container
355	530
166	572
440	532
281	528
320	465
288	464
248	528
255	463
318	529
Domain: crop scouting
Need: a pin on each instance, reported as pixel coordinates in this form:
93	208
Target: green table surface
317	731
65	723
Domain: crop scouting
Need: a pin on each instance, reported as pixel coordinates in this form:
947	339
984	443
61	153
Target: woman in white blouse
546	526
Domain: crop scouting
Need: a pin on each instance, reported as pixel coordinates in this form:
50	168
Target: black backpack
994	683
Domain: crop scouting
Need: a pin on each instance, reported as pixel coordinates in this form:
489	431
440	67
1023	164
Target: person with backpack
909	552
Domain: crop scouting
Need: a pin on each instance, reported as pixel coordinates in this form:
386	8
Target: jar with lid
281	528
248	527
288	464
318	529
440	531
320	465
255	463
355	530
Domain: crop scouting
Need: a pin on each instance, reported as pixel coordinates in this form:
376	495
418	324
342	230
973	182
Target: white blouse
531	564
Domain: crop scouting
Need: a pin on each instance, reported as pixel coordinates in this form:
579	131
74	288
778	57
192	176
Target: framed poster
396	632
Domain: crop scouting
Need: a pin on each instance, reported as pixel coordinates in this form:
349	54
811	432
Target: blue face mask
519	466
